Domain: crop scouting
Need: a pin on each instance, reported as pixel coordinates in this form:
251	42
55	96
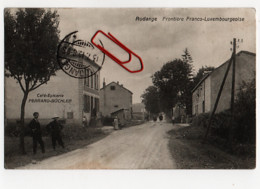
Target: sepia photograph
129	88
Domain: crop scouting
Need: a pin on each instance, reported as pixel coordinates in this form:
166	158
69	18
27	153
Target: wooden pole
233	77
218	97
232	101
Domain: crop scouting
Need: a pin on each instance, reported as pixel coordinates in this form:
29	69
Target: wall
198	98
245	71
110	98
61	84
207	86
91	92
245	68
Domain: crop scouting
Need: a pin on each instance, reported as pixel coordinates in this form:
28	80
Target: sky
161	41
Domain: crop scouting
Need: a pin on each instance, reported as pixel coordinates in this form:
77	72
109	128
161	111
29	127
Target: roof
207	75
118	85
122	109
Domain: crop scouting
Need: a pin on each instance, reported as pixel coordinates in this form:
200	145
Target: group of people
160	118
53	128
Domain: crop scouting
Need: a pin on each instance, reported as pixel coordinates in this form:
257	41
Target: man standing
84	122
54	128
35	128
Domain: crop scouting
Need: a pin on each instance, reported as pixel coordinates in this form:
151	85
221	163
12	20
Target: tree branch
34	83
35	87
20	83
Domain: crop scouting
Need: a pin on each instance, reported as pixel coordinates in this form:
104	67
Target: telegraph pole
233	78
232	62
232	100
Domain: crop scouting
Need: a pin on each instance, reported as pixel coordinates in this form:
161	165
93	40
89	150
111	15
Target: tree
31	40
186	57
201	73
245	112
150	98
173	81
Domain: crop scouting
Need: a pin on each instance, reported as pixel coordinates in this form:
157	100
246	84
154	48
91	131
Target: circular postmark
79	58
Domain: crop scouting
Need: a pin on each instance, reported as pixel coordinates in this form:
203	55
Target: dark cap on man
35	113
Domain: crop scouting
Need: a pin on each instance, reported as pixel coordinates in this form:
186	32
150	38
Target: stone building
205	92
114	97
67	97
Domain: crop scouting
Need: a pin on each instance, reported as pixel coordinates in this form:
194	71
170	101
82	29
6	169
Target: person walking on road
36	133
160	117
84	122
173	119
116	123
54	128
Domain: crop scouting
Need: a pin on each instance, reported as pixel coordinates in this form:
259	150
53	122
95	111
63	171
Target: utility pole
232	62
233	78
218	97
232	100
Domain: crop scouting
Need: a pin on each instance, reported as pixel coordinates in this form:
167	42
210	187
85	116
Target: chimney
117	82
104	82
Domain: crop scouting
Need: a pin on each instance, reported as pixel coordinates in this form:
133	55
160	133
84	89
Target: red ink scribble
121	63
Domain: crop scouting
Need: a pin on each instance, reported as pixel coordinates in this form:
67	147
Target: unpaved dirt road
140	147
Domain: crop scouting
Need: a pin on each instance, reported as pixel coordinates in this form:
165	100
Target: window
86	104
91	79
91	103
69	115
203	106
116	106
112	88
96	83
86	80
97	104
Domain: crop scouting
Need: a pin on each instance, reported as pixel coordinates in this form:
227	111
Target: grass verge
73	137
189	152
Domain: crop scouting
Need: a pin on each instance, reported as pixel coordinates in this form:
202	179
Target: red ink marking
121	63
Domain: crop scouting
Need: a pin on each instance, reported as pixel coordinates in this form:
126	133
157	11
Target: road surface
138	147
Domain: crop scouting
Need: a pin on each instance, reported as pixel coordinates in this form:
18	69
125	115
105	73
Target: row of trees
173	84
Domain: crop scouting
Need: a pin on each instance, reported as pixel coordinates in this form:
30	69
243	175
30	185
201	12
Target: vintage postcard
130	88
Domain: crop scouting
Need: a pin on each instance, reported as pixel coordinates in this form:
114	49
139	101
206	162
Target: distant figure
154	118
36	132
161	117
182	119
173	119
84	122
147	117
116	123
54	128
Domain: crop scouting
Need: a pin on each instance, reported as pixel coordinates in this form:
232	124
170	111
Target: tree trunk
22	127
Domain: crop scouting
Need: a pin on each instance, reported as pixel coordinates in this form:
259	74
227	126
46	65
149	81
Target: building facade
205	93
67	97
139	111
114	97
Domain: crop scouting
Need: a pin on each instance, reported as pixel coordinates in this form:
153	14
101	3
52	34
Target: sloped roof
122	109
206	76
117	85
